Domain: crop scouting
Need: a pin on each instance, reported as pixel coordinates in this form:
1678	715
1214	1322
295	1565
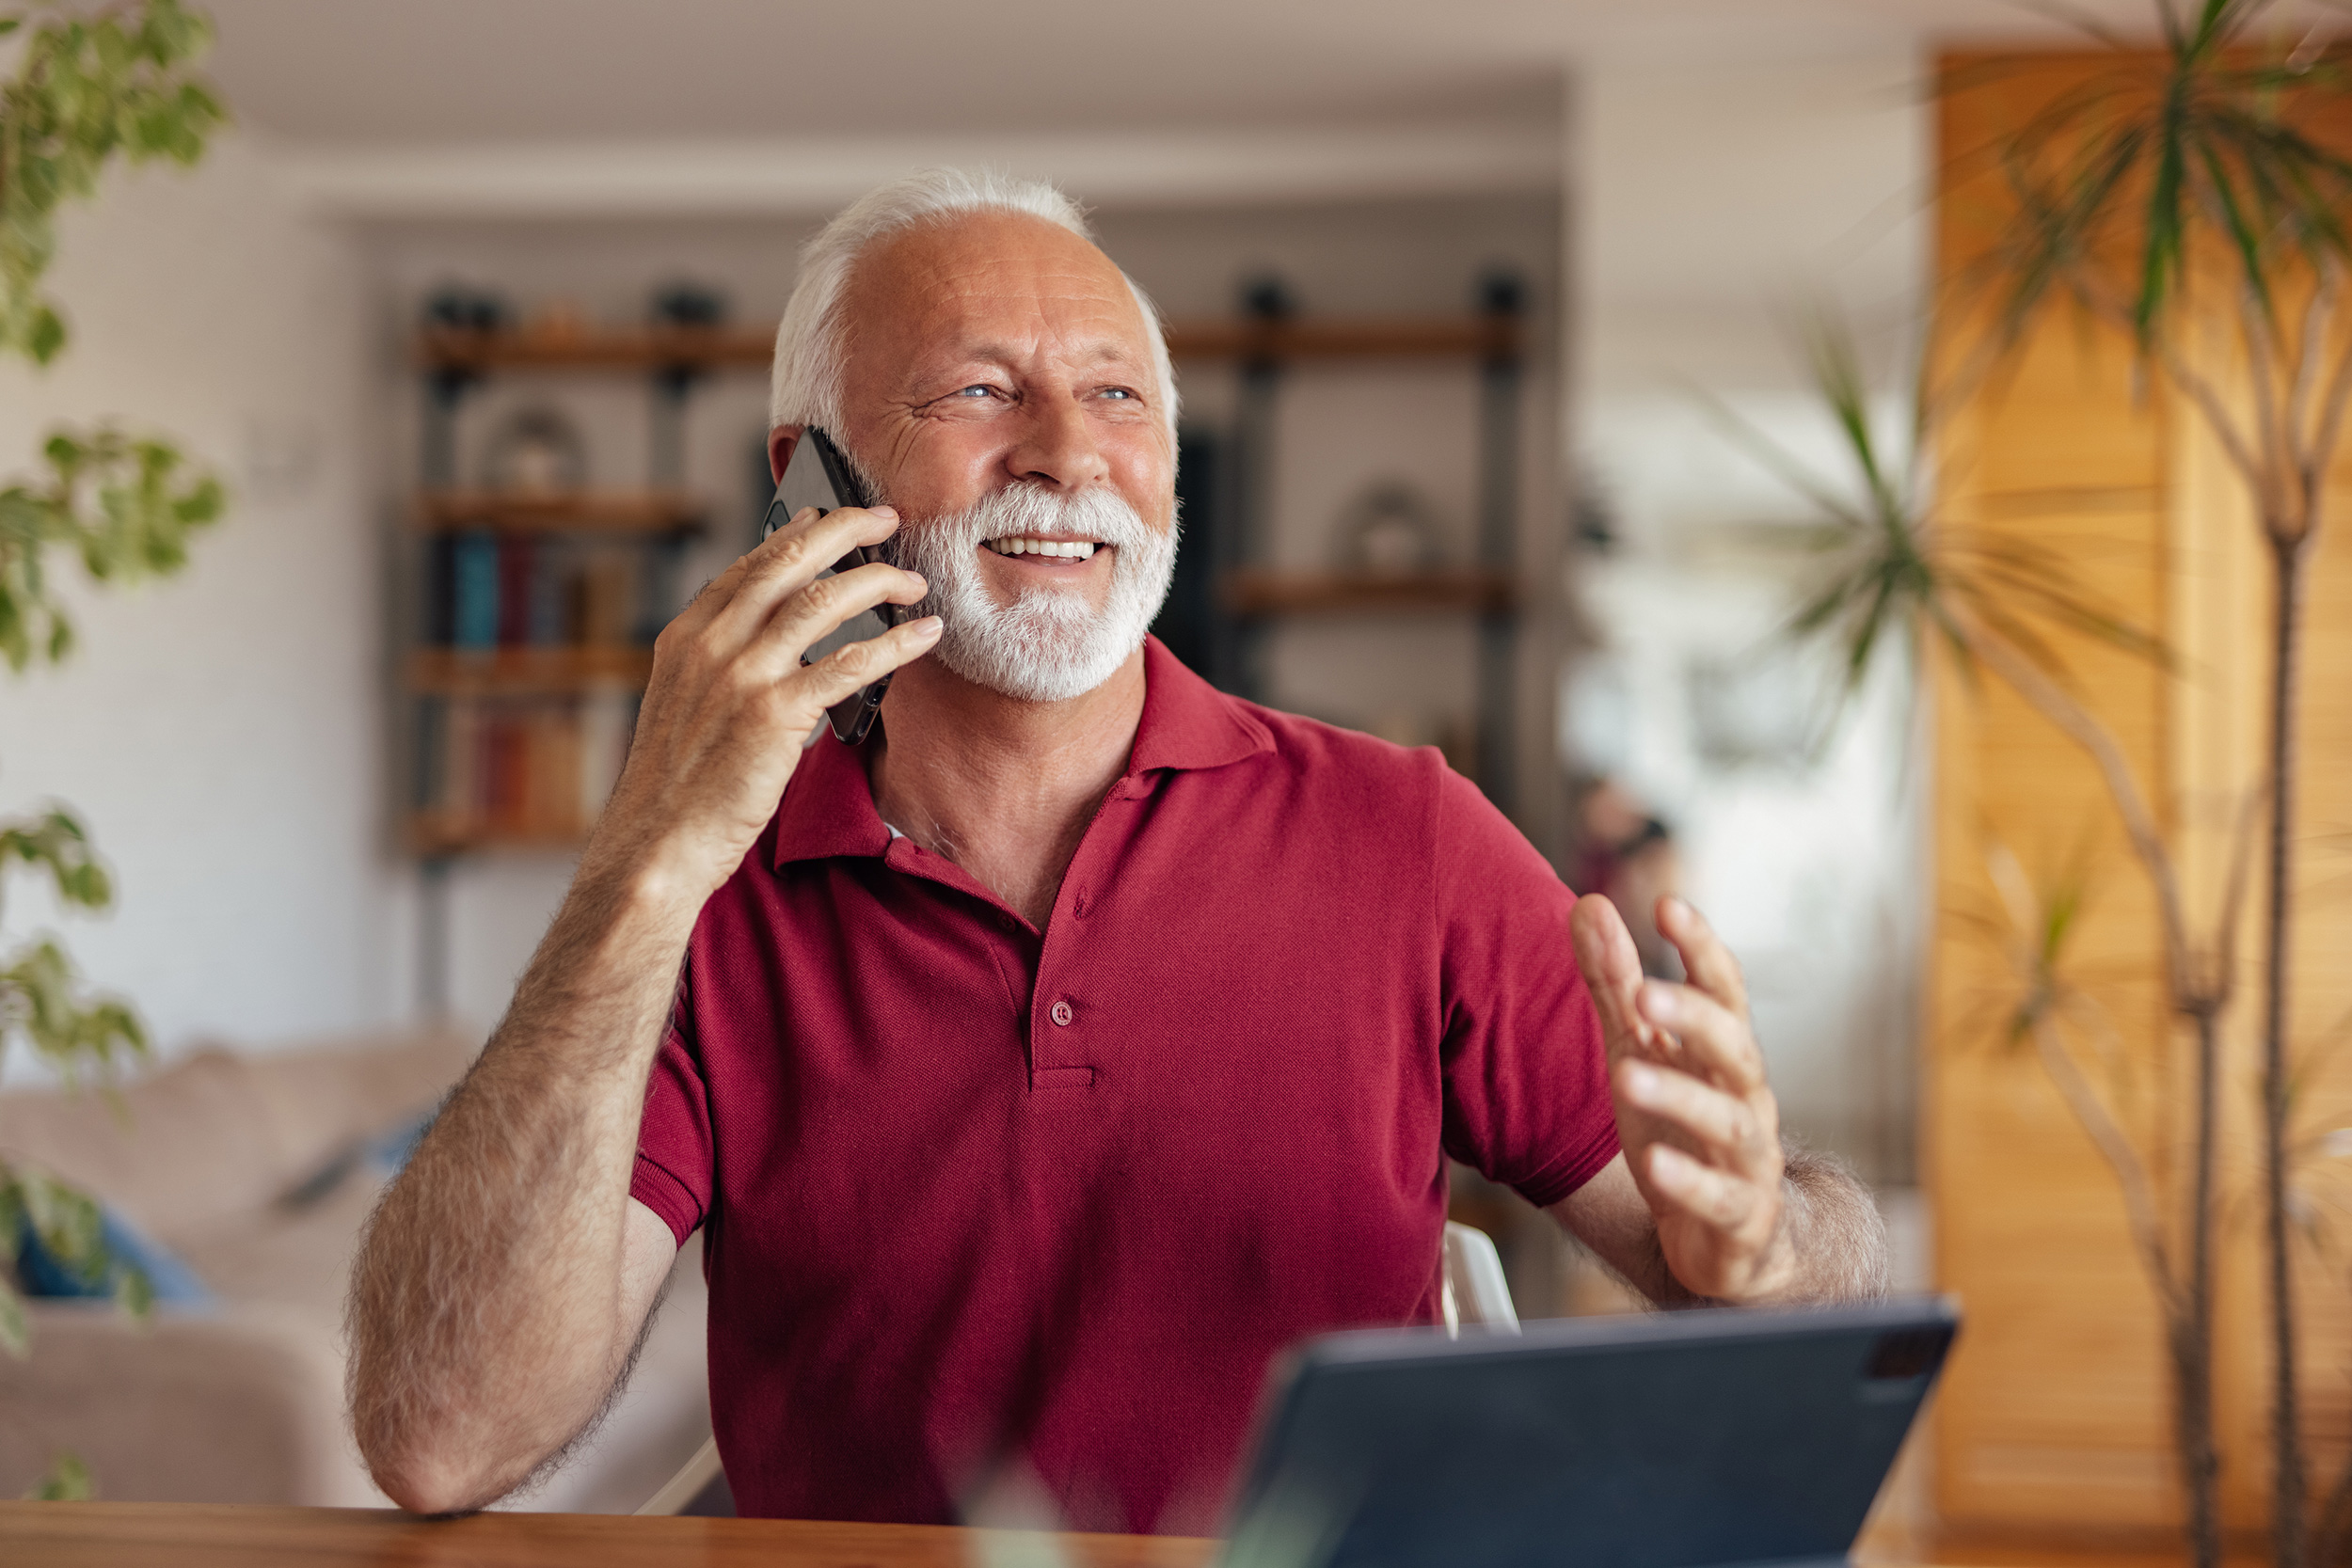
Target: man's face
1000	391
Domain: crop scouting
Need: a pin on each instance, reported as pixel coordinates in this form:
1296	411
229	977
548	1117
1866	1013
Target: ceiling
355	73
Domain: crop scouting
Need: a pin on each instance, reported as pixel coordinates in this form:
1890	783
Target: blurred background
1479	313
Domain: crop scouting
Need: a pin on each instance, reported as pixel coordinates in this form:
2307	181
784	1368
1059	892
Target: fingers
1704	959
1715	1041
858	664
1714	1198
1612	969
1720	1128
788	561
820	607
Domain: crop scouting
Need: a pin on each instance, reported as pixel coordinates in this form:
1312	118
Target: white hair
806	383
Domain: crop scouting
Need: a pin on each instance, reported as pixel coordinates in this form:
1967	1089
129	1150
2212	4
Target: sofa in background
243	1402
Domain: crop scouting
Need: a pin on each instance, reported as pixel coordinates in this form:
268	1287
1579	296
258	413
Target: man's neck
1003	787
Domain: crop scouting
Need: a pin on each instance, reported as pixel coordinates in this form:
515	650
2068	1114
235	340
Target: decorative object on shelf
687	304
1390	531
457	308
537	452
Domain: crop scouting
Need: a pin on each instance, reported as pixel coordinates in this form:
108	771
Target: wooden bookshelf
525	670
642	349
659	512
1260	592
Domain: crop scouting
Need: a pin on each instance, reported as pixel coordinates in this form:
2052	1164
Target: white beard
1049	645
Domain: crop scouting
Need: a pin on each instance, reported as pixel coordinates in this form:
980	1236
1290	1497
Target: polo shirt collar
1186	724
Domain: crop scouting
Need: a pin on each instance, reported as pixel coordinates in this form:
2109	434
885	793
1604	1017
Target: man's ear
781	440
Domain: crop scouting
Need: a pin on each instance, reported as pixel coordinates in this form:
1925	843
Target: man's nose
1057	447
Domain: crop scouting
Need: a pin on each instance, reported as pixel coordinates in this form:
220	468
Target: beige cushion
243	1406
245	1403
212	1136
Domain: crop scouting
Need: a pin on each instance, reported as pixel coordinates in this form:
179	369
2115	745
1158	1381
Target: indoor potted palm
2178	191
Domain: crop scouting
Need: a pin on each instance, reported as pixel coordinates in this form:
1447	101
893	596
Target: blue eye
977	389
1117	392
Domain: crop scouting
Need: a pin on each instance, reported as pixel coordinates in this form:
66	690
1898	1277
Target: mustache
1027	507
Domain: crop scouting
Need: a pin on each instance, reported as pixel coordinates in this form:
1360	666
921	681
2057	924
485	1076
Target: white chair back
1475	1295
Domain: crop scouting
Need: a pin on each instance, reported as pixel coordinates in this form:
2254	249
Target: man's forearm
1834	1230
1834	1238
488	1311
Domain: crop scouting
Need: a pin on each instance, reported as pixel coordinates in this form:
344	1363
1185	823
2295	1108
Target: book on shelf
534	769
473	620
486	590
515	559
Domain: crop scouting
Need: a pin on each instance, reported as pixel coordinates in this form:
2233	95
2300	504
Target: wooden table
195	1535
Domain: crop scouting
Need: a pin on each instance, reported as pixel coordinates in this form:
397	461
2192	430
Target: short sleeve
1526	1073
672	1176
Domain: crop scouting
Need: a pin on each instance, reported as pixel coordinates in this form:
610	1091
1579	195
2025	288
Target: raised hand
730	702
1699	1125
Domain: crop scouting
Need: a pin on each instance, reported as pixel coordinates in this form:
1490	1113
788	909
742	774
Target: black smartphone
820	477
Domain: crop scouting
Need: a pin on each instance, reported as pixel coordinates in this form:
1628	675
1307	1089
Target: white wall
1711	203
221	732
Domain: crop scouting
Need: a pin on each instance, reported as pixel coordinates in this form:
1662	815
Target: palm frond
1790	471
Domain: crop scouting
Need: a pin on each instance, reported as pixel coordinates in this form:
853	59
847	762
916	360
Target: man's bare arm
502	1283
502	1286
1836	1239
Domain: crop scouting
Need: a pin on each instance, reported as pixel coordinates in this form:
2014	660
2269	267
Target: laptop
1675	1440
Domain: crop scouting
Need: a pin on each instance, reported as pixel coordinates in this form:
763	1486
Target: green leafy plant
91	87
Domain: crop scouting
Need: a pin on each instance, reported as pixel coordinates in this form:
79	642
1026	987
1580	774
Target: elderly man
1039	1069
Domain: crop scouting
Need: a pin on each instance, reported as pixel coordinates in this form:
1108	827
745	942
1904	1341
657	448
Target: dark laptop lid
1673	1440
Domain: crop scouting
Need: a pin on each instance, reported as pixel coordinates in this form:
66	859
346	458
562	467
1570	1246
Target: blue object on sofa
43	1272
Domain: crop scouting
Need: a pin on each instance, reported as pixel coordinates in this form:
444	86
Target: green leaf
133	1291
126	505
86	92
15	1331
56	842
2240	230
46	335
69	1480
43	1003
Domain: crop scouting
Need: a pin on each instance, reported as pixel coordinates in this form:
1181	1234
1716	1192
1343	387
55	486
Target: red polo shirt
983	1202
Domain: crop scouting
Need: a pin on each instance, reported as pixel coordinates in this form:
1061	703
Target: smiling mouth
1067	550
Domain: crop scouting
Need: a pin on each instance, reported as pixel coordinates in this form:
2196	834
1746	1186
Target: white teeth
1075	549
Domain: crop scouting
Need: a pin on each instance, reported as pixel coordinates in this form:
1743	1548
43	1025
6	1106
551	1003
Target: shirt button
1060	1013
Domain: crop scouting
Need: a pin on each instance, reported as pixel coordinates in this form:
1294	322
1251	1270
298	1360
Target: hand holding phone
820	477
734	695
